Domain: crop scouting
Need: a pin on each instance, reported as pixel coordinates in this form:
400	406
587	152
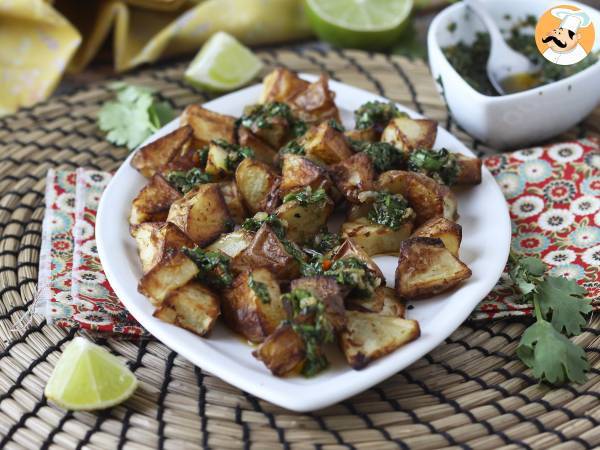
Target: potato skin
383	302
266	250
153	201
330	293
234	201
150	158
202	214
439	227
245	312
316	103
193	307
304	222
208	125
298	172
376	239
469	170
173	271
409	134
325	144
426	267
367	134
354	175
256	181
281	85
283	352
262	151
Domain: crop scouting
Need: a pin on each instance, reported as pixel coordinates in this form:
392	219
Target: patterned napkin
553	193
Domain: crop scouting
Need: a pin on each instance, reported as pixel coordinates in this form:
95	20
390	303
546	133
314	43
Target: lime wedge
367	24
88	377
223	64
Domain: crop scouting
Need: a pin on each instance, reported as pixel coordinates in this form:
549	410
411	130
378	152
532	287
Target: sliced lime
368	24
88	377
223	64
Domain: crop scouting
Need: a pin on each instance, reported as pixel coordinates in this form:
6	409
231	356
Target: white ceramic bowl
519	119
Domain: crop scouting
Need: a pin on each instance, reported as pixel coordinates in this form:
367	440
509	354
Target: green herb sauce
390	210
185	181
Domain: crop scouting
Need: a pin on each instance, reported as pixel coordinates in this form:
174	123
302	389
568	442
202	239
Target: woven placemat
470	392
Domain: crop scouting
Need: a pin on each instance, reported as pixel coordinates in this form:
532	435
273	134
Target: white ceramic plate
486	240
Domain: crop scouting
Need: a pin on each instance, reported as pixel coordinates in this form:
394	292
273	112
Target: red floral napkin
553	193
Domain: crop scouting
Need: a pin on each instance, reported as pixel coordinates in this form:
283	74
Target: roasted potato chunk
349	248
156	239
427	197
298	172
262	151
469	170
149	159
252	306
304	221
192	307
376	239
316	103
208	125
383	302
354	175
256	181
325	144
234	201
153	202
266	250
408	134
174	270
449	232
426	267
366	134
281	85
330	293
370	336
232	244
202	214
283	352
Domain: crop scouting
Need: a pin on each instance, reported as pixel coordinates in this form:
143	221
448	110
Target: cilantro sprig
133	116
560	312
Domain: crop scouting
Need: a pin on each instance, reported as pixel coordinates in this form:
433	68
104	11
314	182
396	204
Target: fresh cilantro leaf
526	273
133	116
551	355
562	298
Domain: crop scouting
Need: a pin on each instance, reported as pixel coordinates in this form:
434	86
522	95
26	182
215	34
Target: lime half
223	64
88	377
367	24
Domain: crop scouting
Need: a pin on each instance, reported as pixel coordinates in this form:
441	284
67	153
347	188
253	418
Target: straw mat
471	392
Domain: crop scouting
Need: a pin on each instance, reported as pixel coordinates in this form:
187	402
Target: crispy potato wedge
370	336
208	125
316	103
246	312
376	239
262	151
325	144
156	239
349	248
426	267
202	214
266	250
281	85
439	227
153	202
367	134
192	307
330	293
149	159
256	181
408	134
283	352
174	270
304	221
427	197
383	302
217	162
232	244
298	172
354	175
469	170
234	201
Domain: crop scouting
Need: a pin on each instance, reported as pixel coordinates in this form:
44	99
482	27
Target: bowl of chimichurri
539	106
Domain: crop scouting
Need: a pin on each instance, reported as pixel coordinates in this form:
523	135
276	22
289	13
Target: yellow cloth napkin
41	39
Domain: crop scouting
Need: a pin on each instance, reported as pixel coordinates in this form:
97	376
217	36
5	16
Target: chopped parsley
384	155
440	164
325	241
309	321
390	210
260	289
214	266
293	147
306	196
336	125
375	115
254	223
354	273
262	116
235	153
185	181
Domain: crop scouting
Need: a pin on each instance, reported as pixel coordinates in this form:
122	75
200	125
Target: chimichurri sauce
470	60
